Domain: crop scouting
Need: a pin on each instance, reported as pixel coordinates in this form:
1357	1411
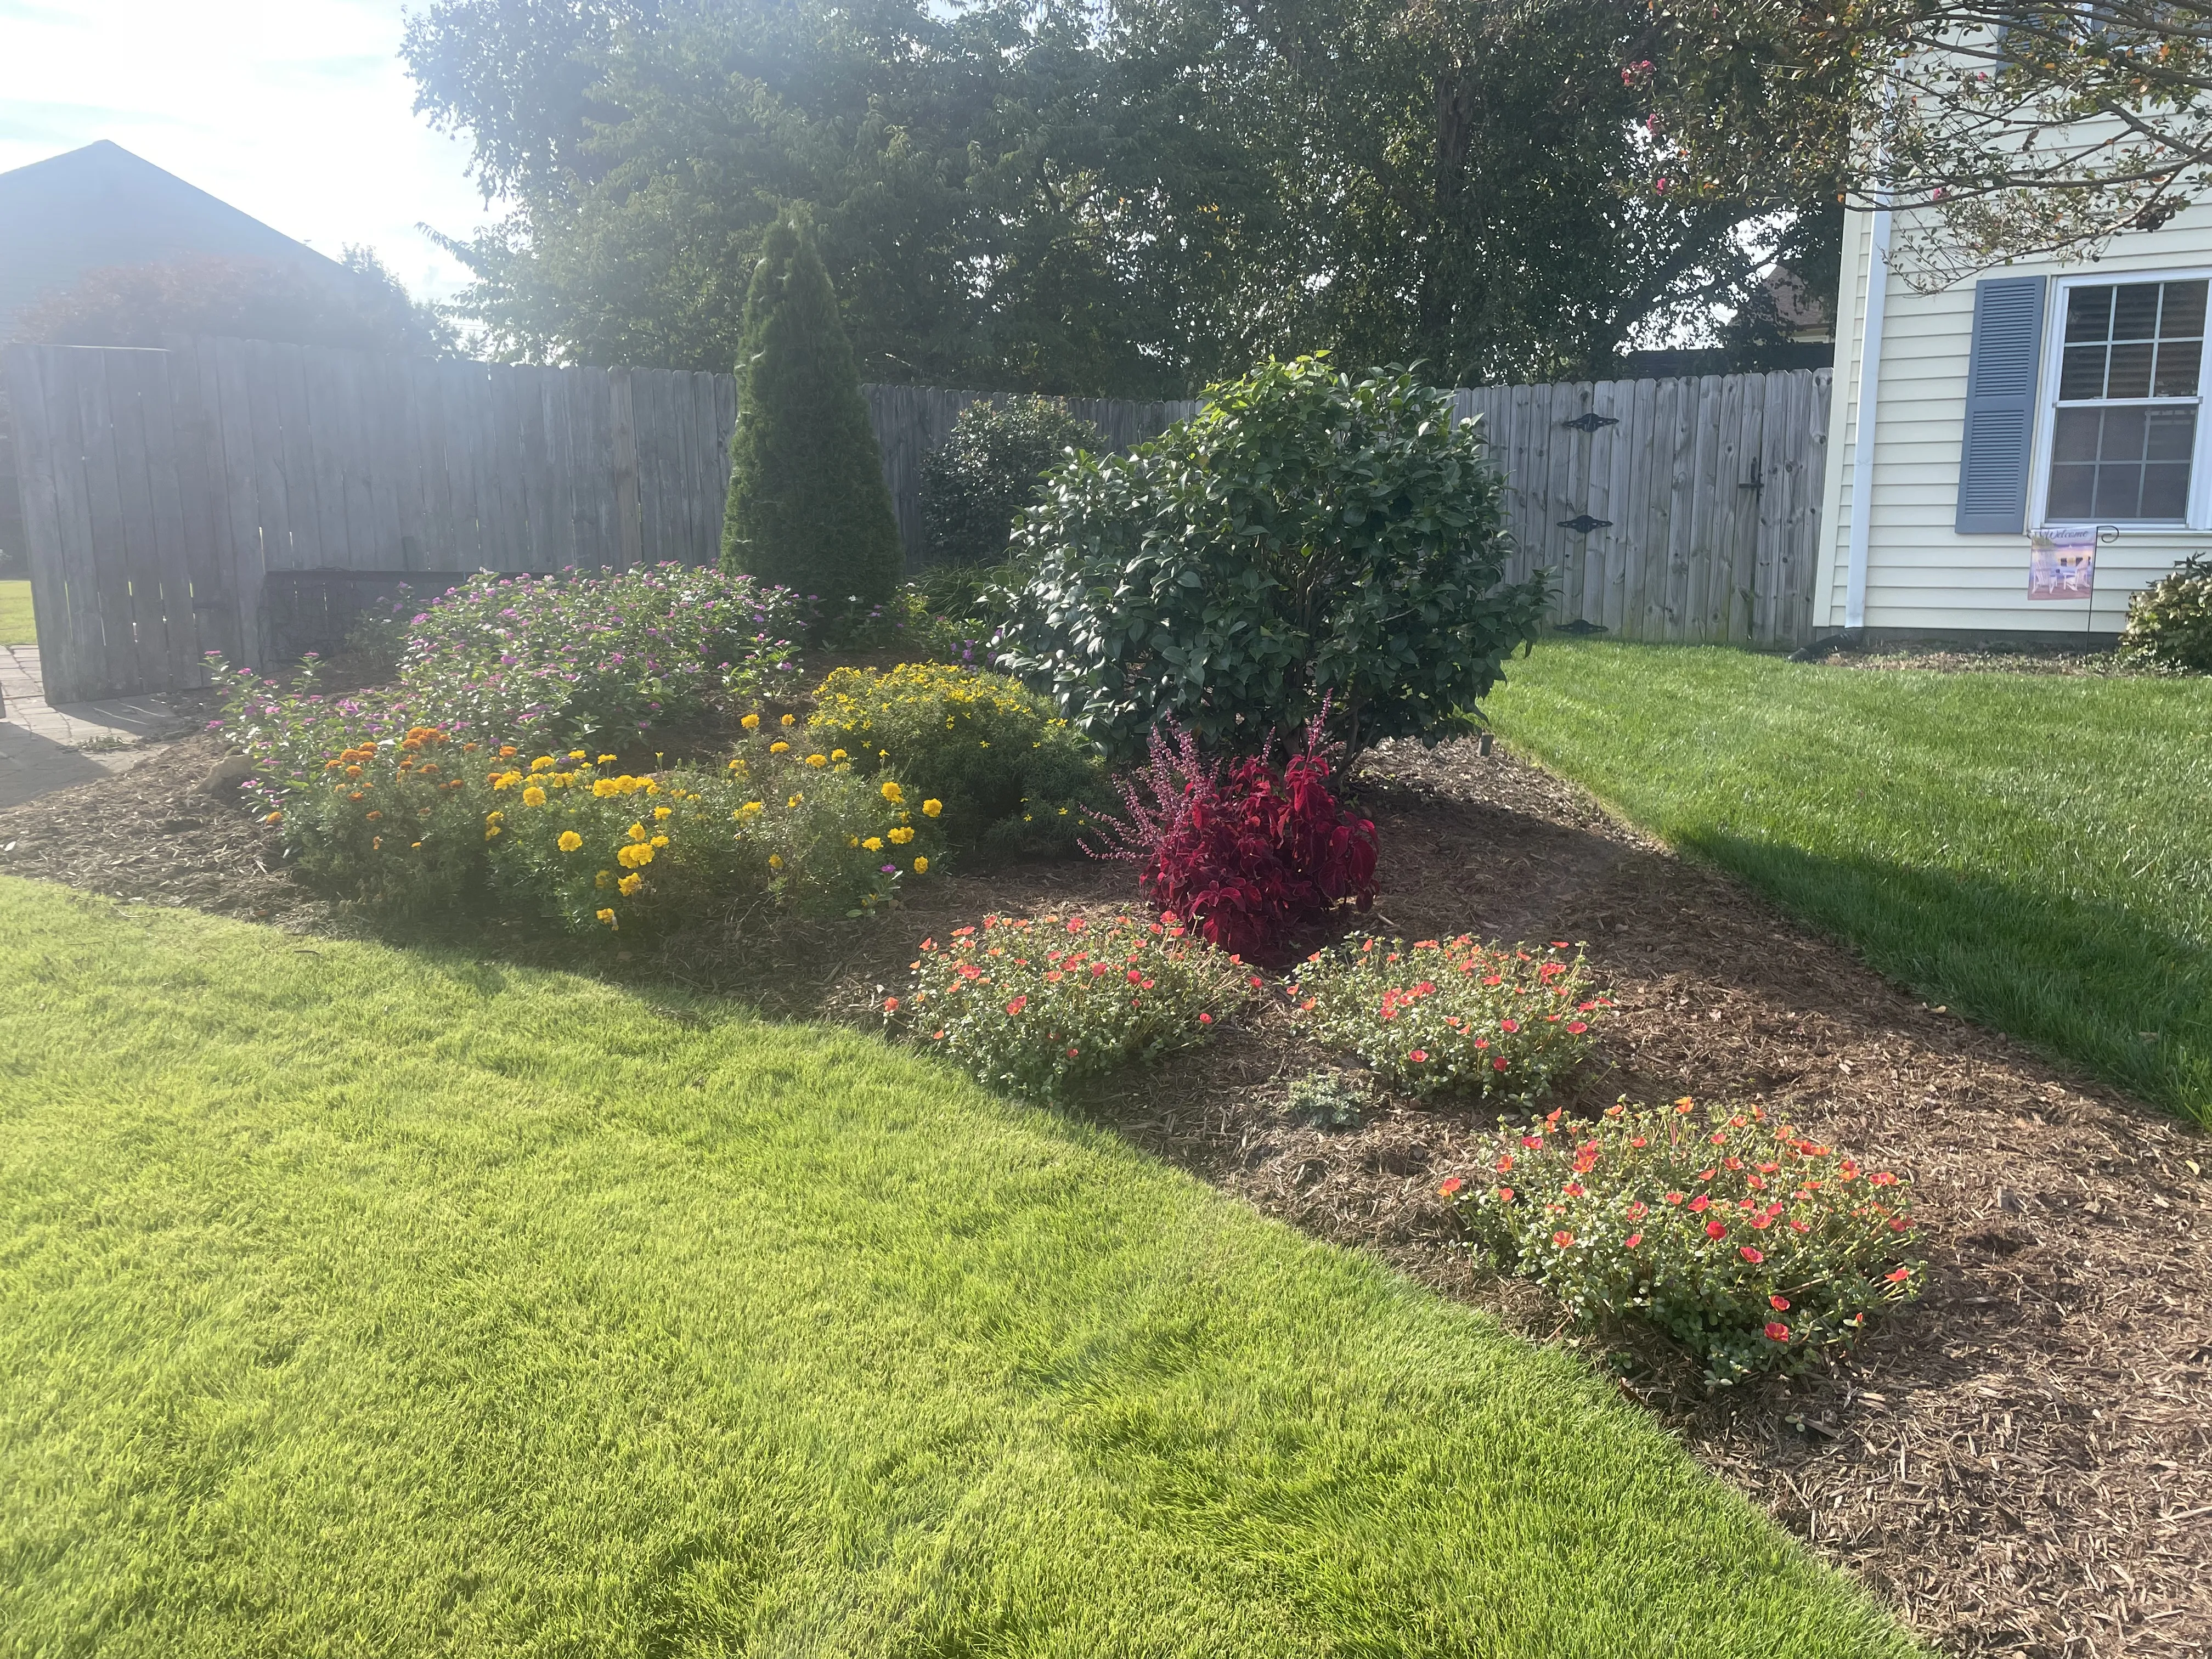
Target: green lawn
357	1301
2035	851
15	625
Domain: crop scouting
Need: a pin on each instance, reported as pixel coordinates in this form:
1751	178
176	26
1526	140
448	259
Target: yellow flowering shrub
609	851
1007	772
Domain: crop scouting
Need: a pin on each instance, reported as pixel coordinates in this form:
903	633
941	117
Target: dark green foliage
980	480
1124	201
808	505
2169	622
1307	538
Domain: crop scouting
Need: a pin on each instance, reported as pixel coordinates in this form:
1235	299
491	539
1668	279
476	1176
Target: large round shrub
2169	622
1308	539
977	483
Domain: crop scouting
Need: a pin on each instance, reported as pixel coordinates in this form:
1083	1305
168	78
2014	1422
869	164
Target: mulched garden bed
2021	1463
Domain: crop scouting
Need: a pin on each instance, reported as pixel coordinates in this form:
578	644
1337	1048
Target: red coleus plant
1243	850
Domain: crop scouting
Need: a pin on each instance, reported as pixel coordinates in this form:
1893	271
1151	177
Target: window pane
2119	492
2089	313
2135	311
2074	438
2171	435
2128	375
2072	493
2124	435
2083	374
2185	310
2166	490
2177	369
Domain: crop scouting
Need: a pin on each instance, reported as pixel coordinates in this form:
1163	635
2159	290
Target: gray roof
101	205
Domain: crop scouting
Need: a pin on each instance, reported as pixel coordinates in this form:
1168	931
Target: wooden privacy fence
163	490
1668	509
250	498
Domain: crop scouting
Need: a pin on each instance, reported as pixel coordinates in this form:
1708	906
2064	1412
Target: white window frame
2047	414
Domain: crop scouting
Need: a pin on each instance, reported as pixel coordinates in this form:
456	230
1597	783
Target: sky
298	112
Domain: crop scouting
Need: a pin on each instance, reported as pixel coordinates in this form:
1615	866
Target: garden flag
2062	562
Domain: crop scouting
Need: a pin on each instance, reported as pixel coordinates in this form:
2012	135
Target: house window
2123	433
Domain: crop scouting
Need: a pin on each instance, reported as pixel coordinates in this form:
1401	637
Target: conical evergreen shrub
808	505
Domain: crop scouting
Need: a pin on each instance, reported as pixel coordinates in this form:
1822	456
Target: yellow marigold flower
778	747
648	786
794	801
607	760
751	722
604	788
608	917
542	763
570	841
900	836
817	760
637	832
874	843
921	867
836	754
658	841
533	796
577	754
931	807
494	817
630	884
749	809
791	720
893	793
662	811
489	834
776	860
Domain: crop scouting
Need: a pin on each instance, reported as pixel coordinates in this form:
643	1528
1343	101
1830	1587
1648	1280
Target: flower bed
1451	1014
1033	1005
1753	1246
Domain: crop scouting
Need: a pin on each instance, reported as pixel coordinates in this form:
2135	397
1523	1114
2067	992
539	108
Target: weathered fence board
164	491
1704	494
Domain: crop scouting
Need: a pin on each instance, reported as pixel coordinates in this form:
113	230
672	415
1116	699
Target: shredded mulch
1999	659
2020	1464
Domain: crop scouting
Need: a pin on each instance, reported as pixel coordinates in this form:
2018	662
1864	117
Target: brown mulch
2021	1463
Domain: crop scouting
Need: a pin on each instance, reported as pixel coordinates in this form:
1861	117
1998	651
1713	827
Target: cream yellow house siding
1922	576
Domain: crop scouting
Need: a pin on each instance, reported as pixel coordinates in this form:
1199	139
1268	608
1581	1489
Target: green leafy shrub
1450	1014
1751	1246
1308	538
808	507
1012	773
991	469
1033	1005
2169	622
570	658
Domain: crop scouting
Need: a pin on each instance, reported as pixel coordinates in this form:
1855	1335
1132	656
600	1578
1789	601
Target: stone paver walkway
44	747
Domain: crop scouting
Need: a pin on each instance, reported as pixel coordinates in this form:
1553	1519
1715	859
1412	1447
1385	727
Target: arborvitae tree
808	505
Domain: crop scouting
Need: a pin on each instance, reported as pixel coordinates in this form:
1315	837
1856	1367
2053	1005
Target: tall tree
2005	128
1129	200
808	505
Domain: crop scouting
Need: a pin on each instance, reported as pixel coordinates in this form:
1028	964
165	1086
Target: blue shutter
2001	372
